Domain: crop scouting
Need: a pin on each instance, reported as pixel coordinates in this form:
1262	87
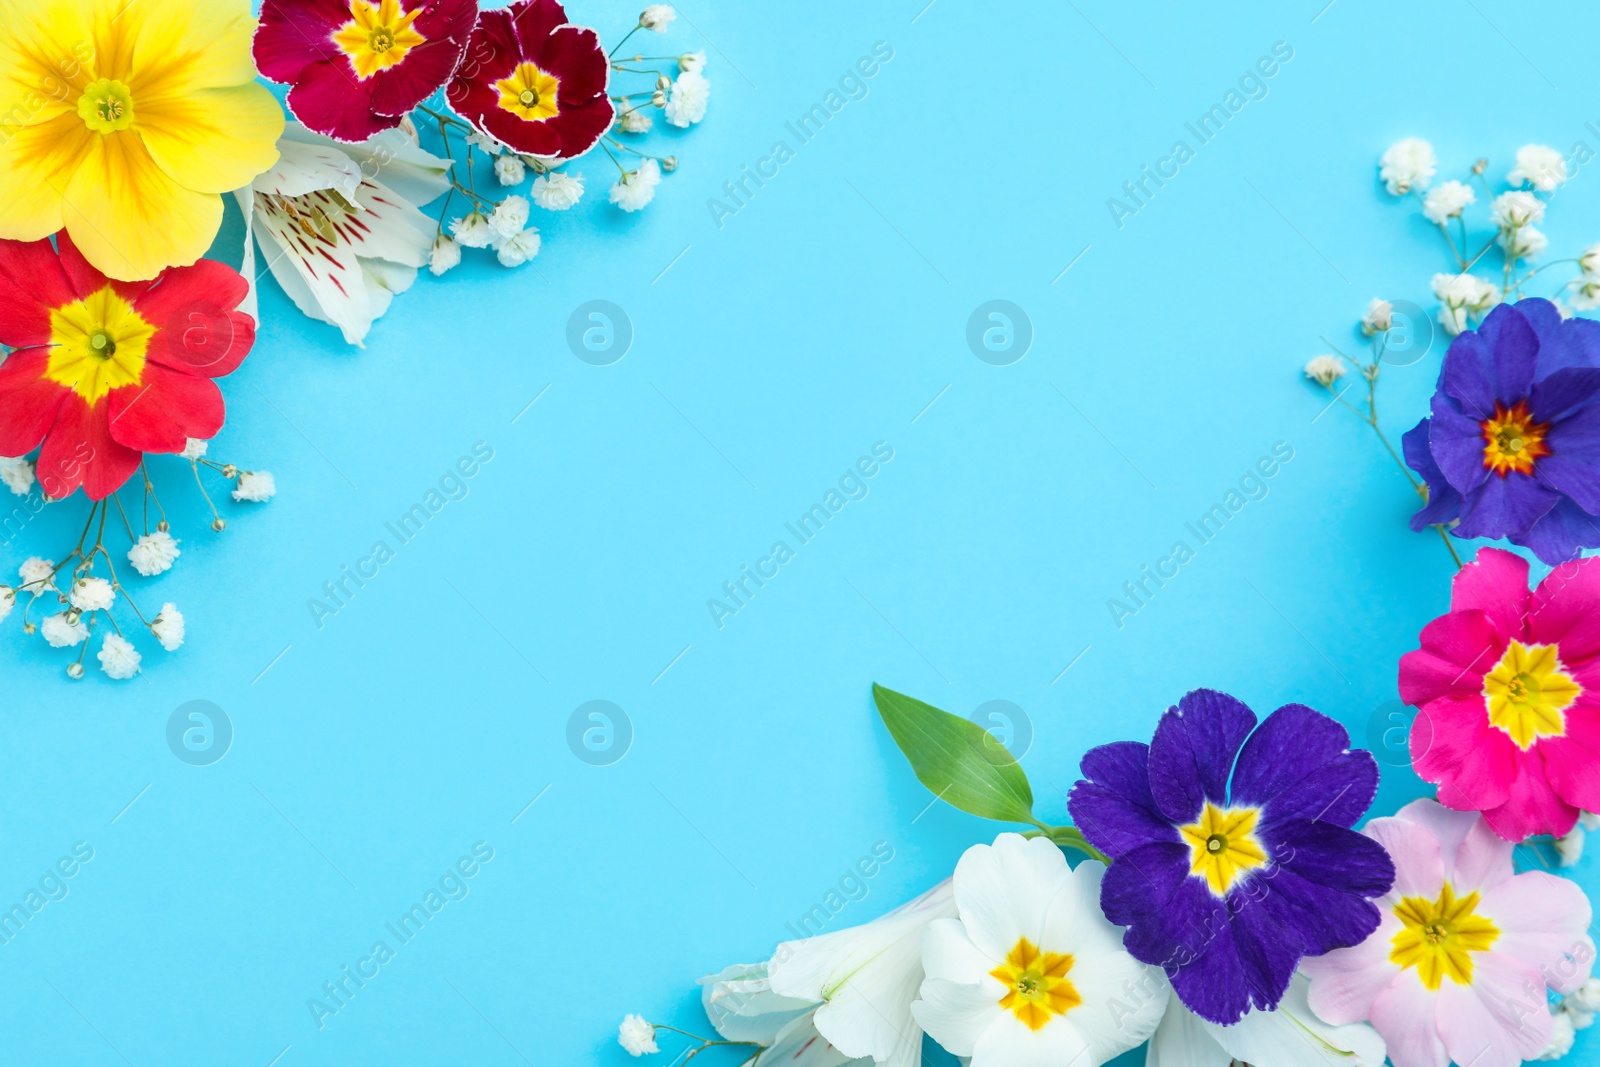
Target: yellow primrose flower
122	122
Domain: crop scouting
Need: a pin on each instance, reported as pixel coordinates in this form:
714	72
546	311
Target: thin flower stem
631	70
1070	837
128	525
620	167
150	492
628	148
624	40
215	517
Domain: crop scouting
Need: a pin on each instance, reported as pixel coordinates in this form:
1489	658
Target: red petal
164	410
331	100
535	21
85	278
296	33
447	25
197	330
28	400
583	126
79	451
31	283
535	138
574	55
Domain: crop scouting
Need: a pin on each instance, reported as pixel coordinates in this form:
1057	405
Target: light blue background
823	317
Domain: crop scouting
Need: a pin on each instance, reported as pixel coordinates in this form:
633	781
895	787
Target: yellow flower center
97	344
529	93
1223	846
1528	693
1440	936
1037	988
377	38
106	106
1512	440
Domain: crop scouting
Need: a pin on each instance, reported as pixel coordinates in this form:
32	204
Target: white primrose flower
1447	200
1407	165
1325	370
1539	166
118	658
633	118
637	1036
686	104
472	230
509	216
510	170
63	631
168	627
1031	974
446	253
339	223
1523	242
37	575
865	979
692	62
1379	317
17	474
256	487
154	553
8	600
1291	1036
517	249
194	449
92	594
657	17
1516	208
636	188
740	1003
558	190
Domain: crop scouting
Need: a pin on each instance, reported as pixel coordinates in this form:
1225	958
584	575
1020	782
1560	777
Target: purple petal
1456	442
1569	392
1173	920
1193	750
1561	533
1267	938
1562	343
1298	765
1467	375
1214	986
1505	507
1114	808
1332	856
1444	503
1516	352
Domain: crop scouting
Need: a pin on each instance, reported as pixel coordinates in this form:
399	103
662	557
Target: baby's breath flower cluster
502	225
1407	168
66	602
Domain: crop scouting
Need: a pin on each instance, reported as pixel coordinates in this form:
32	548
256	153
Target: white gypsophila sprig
1463	295
636	188
633	118
154	553
255	487
1325	369
657	17
1516	208
194	449
517	249
686	101
558	190
92	594
118	658
472	230
510	169
64	630
444	255
16	473
509	217
168	627
1447	200
637	1036
1522	242
1540	166
1406	165
1378	317
37	575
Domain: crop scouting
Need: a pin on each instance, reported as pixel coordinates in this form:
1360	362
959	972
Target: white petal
956	1014
799	1045
1002	890
1182	1040
1009	1043
742	1006
1293	1035
305	168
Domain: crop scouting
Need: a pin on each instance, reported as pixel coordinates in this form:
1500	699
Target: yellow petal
179	46
37	164
129	218
46	57
213	140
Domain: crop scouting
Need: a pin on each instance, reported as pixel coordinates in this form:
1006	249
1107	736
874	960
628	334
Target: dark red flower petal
296	33
164	410
31	283
79	451
28	400
329	99
574	54
447	27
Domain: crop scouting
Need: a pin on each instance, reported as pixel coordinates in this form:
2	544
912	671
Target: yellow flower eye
106	106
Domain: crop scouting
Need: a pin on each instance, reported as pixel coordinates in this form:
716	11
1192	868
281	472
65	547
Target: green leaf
955	758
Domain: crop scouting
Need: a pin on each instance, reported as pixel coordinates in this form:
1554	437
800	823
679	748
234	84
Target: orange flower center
97	344
1512	440
377	38
529	93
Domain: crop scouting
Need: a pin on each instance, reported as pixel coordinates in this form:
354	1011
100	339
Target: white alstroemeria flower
742	1006
1032	974
339	223
1291	1036
865	978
